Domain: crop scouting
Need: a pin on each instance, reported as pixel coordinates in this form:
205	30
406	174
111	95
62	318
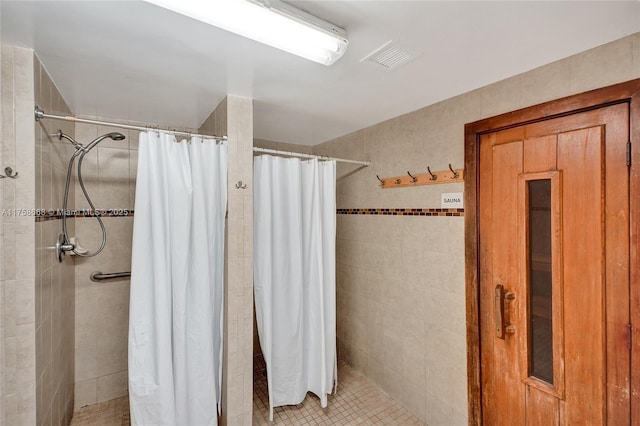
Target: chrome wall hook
413	178
456	175
8	173
240	185
382	182
433	177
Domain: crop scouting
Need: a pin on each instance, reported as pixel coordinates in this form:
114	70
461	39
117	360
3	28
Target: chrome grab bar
98	276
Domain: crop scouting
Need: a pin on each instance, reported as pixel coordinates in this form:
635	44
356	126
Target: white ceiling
132	60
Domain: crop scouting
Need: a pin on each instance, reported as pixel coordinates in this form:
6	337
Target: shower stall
79	327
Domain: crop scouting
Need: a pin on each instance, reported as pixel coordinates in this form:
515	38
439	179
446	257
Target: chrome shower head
113	135
116	136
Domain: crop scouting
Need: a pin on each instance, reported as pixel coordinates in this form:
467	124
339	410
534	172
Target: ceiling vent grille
390	56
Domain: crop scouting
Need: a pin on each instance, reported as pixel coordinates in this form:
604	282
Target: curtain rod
39	114
301	155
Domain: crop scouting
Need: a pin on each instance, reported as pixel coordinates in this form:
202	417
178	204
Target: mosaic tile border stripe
46	215
404	212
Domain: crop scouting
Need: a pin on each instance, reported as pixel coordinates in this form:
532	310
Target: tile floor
357	402
109	413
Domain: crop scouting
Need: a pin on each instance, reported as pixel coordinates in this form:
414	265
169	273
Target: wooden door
554	311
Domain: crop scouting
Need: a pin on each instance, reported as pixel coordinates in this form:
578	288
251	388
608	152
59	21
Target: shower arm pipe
40	114
301	155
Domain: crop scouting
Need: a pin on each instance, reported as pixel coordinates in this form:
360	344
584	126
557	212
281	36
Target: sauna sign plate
451	200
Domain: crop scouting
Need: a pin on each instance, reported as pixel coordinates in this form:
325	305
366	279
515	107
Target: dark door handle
499	296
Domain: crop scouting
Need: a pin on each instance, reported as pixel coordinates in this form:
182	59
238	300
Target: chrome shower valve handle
62	247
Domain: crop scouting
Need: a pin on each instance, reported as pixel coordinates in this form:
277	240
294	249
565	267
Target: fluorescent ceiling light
271	22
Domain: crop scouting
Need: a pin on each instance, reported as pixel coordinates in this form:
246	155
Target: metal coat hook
381	181
8	173
455	174
413	178
433	177
239	185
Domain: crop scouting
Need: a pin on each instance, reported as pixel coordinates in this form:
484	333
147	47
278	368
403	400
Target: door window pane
540	294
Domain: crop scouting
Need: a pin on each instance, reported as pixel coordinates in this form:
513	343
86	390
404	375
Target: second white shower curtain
294	276
177	270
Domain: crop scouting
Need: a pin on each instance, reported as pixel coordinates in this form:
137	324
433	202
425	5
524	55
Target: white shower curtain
294	276
175	321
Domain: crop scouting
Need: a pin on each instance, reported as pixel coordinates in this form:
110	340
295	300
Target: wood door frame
628	92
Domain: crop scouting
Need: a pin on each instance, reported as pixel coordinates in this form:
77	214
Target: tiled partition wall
18	239
234	118
401	288
102	308
37	292
54	296
2	279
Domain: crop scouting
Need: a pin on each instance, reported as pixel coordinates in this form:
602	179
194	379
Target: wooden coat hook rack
429	178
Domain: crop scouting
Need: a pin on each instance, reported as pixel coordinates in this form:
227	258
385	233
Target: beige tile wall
401	301
54	295
2	280
234	117
18	231
280	146
18	260
102	309
37	293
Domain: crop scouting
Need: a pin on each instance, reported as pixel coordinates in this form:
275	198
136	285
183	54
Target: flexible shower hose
80	151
